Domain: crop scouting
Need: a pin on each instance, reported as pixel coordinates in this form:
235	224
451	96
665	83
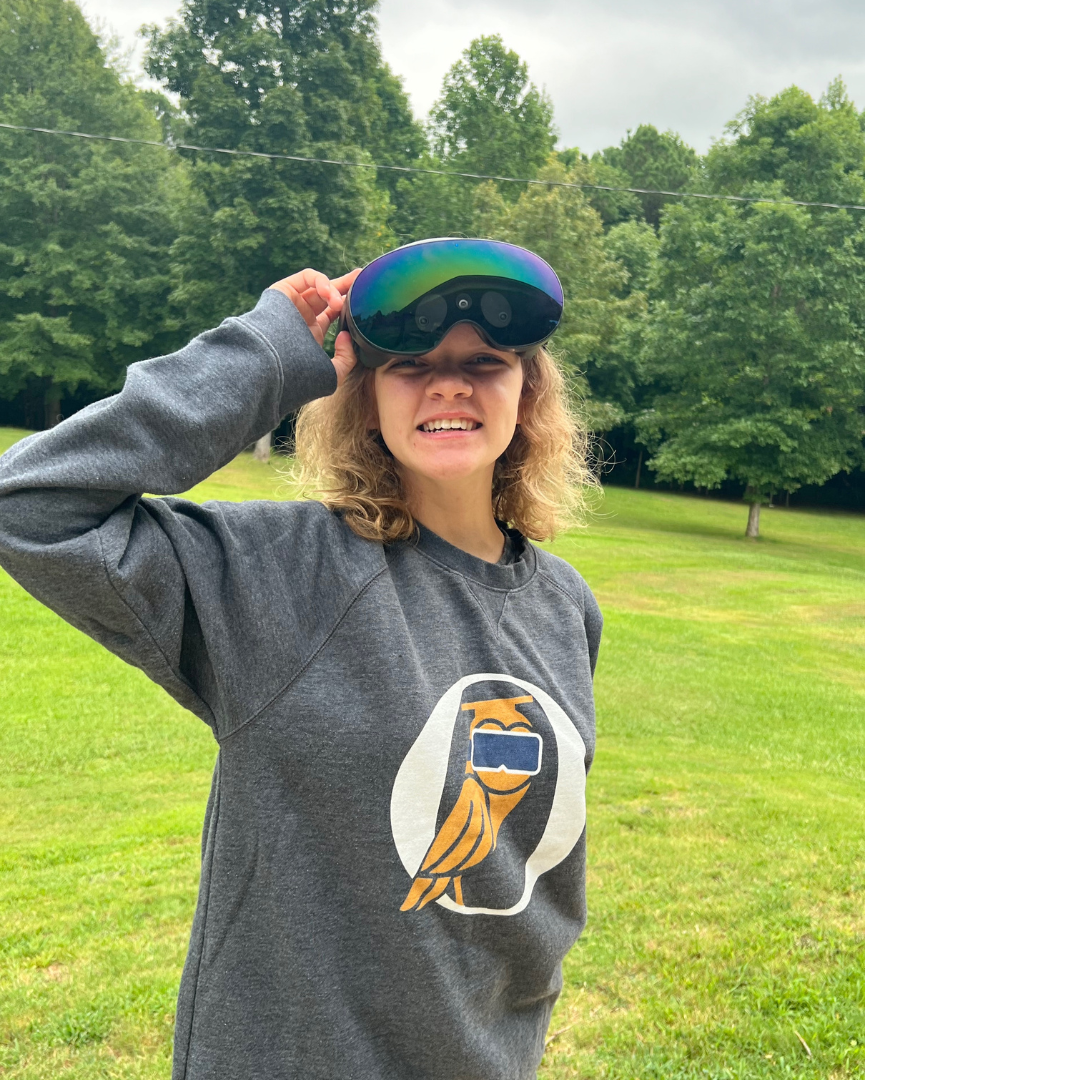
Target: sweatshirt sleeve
129	571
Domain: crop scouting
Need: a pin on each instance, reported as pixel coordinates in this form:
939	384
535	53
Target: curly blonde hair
541	480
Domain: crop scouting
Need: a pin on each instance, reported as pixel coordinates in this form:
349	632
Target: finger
344	356
342	283
294	288
323	320
328	294
298	301
306	310
314	296
309	279
316	302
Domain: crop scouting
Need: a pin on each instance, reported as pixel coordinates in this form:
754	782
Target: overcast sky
609	65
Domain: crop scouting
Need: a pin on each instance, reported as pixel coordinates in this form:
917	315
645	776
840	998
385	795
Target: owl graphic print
490	796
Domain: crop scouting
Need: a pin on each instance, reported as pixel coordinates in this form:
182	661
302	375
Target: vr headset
515	752
404	302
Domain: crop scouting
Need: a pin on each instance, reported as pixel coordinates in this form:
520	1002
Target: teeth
455	424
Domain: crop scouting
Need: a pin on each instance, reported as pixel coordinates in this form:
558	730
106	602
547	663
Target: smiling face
449	415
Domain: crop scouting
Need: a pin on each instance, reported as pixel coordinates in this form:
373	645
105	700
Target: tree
654	160
635	246
612	206
427	205
807	151
85	226
756	347
490	119
297	77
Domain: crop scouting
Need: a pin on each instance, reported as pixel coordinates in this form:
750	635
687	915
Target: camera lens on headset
430	312
464	302
496	309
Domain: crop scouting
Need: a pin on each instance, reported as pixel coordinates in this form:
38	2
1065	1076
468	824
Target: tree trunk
755	511
753	520
52	411
637	479
262	448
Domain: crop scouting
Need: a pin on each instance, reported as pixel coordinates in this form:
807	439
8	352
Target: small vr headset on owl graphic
404	302
515	752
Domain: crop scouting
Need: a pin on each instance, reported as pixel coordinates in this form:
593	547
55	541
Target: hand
319	300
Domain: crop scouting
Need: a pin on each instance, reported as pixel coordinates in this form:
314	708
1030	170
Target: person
398	680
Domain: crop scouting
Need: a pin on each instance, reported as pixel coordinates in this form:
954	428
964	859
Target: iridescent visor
404	302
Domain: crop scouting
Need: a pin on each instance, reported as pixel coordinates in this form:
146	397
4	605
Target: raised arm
75	530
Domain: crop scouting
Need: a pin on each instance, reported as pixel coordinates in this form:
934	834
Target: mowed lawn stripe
725	812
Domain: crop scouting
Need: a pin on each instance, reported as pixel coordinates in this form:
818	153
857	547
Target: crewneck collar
503	576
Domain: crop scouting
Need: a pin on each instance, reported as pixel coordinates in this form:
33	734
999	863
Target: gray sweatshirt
393	858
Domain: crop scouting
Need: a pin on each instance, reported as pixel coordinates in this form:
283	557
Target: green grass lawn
725	812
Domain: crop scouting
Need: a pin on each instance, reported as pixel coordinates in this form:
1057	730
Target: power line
432	172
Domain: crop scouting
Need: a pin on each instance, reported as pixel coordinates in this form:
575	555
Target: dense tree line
713	341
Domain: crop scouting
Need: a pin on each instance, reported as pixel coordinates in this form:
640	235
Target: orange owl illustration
504	755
